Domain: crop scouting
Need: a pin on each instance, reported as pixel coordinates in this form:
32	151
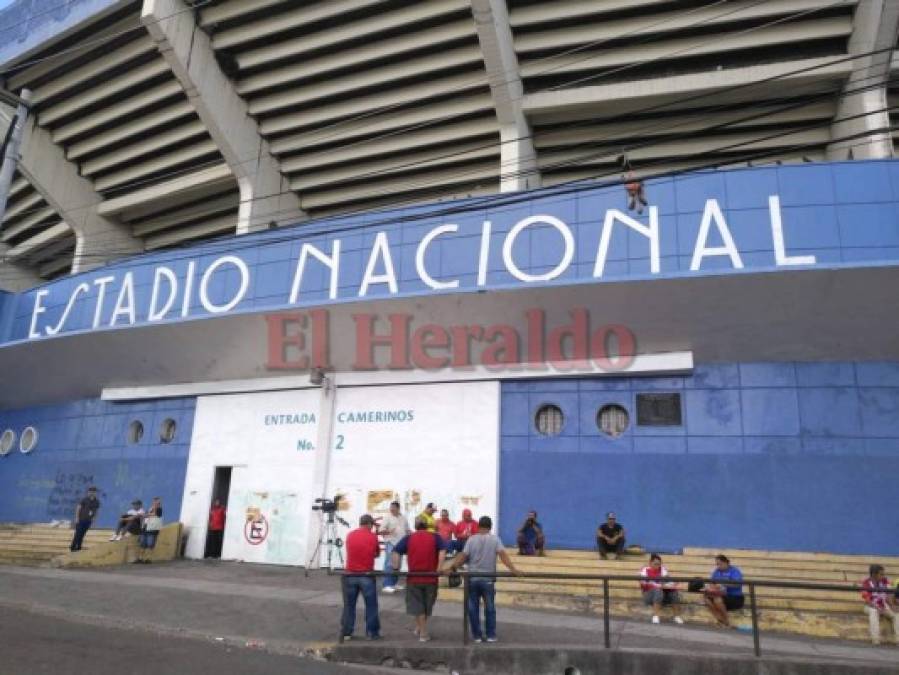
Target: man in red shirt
216	530
361	550
425	552
464	529
445	527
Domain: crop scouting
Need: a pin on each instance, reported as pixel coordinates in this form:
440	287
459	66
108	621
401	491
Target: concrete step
846	625
680	570
629	562
632	588
849	603
791	555
708	555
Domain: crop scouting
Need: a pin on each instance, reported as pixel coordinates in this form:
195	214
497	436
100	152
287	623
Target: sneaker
478	639
655	619
424	638
679	621
389	589
492	639
347	638
373	637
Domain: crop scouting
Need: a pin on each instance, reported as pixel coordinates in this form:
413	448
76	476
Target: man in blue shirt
723	598
530	537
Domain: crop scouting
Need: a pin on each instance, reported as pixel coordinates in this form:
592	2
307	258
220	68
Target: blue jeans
81	528
366	586
389	580
482	588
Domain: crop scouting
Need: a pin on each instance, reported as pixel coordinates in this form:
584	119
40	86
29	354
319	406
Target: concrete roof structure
158	122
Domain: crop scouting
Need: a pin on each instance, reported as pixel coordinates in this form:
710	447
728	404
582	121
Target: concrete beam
874	28
518	158
15	277
265	195
97	239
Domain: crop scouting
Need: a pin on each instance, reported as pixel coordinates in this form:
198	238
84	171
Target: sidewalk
282	611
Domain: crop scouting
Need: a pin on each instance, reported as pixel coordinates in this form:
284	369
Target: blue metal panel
782	460
857	224
85	443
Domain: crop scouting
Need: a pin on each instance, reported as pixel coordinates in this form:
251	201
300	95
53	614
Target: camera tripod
329	536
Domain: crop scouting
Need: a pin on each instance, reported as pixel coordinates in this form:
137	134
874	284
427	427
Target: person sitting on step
610	537
657	592
531	540
129	522
724	597
878	603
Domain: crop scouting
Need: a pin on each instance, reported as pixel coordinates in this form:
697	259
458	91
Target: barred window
549	420
7	440
167	430
135	432
612	420
28	440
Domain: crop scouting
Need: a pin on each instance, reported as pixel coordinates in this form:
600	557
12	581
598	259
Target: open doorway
215	532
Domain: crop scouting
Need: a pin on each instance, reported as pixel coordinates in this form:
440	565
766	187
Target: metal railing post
605	612
755	621
343	583
466	591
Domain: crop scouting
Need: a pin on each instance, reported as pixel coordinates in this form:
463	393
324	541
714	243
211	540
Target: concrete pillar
324	450
265	194
518	158
874	28
15	277
97	239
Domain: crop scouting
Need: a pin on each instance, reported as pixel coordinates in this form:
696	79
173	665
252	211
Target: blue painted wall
788	456
26	24
845	214
86	443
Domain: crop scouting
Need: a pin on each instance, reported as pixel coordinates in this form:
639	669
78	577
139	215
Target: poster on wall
410	443
416	444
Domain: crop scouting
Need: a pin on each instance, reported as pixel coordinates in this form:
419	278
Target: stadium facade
273	251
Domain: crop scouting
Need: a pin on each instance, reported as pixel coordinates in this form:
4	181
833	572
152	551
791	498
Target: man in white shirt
393	528
129	522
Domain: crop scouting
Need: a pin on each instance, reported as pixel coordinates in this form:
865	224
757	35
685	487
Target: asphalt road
31	644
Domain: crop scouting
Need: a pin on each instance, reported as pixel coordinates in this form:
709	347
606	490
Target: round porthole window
612	420
549	420
135	432
167	430
28	440
7	441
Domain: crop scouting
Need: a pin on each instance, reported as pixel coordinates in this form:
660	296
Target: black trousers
81	528
214	543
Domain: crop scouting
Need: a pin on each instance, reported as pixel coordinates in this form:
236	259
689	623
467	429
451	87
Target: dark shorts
420	599
734	602
148	539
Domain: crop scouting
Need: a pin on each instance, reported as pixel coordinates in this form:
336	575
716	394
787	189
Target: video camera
326	505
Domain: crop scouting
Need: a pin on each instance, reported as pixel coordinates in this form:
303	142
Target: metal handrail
605	579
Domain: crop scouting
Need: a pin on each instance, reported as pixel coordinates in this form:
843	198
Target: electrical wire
714	93
231	243
158	177
125	187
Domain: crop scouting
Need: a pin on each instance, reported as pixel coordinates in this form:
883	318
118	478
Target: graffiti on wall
68	489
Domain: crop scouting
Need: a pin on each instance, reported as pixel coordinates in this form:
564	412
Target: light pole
12	144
